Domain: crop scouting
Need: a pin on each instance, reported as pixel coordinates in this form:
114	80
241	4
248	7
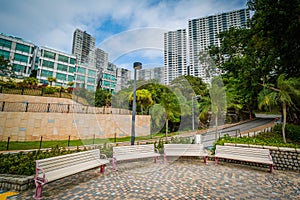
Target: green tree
143	99
51	79
5	67
103	98
282	93
30	82
275	27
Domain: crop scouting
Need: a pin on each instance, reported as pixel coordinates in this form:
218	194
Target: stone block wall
283	158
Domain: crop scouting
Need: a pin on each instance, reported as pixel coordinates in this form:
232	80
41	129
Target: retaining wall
283	158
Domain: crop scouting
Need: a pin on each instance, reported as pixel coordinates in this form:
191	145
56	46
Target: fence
35	92
58	108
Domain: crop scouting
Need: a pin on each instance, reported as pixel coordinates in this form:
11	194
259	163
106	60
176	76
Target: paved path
179	179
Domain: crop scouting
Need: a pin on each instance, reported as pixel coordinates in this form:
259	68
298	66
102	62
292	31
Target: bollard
94	139
69	140
7	147
41	141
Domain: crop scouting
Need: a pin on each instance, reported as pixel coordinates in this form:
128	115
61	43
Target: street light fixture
193	115
136	66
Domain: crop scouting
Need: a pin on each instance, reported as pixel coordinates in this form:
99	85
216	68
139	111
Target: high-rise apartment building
156	73
203	32
84	47
122	76
175	60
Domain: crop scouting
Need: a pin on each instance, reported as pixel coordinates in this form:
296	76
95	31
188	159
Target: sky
128	30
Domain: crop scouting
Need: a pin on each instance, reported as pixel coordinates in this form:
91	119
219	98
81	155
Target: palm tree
51	79
282	94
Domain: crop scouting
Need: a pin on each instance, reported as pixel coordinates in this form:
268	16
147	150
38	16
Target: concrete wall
30	126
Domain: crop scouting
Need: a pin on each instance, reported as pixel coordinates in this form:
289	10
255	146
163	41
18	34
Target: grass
65	143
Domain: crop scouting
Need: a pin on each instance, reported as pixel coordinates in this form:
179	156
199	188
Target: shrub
49	90
292	131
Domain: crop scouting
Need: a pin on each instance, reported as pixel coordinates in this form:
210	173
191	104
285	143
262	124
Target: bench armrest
105	157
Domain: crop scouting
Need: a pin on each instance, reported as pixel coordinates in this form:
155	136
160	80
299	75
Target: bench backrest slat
238	151
53	163
134	149
184	148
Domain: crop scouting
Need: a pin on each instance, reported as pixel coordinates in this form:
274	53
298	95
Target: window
18	68
23	48
81	70
80	78
72	61
49	54
5	54
5	43
92	73
63	58
61	76
70	78
91	80
90	87
46	73
48	64
72	69
21	58
62	67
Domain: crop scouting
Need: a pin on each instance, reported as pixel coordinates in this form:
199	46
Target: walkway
179	179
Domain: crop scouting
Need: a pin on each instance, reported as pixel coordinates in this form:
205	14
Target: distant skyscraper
123	76
156	73
101	58
203	33
175	62
84	48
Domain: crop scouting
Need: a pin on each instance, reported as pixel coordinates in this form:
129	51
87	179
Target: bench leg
271	168
38	190
114	163
216	160
165	159
205	159
102	169
155	159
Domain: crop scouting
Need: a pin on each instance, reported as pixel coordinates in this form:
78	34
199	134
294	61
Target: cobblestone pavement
179	179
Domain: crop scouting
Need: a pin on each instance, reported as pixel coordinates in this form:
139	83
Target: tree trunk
216	123
284	121
167	126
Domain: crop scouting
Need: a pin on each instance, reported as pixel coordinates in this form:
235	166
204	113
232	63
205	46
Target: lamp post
136	66
193	115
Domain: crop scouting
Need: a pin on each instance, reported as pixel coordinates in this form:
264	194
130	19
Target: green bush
49	90
292	131
267	139
24	163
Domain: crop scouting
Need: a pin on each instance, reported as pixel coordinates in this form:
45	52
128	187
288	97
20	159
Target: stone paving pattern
179	179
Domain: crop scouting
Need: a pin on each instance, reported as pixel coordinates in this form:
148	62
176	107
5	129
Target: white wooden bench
185	150
246	154
134	152
51	169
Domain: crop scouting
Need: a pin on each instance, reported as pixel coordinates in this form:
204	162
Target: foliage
275	25
267	139
51	79
103	98
5	67
143	100
30	82
49	90
281	94
292	132
24	163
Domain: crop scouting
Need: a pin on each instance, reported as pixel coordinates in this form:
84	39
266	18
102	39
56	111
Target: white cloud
52	23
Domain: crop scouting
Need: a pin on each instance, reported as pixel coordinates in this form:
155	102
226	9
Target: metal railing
59	108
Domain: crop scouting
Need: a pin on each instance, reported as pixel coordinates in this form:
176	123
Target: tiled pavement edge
179	179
